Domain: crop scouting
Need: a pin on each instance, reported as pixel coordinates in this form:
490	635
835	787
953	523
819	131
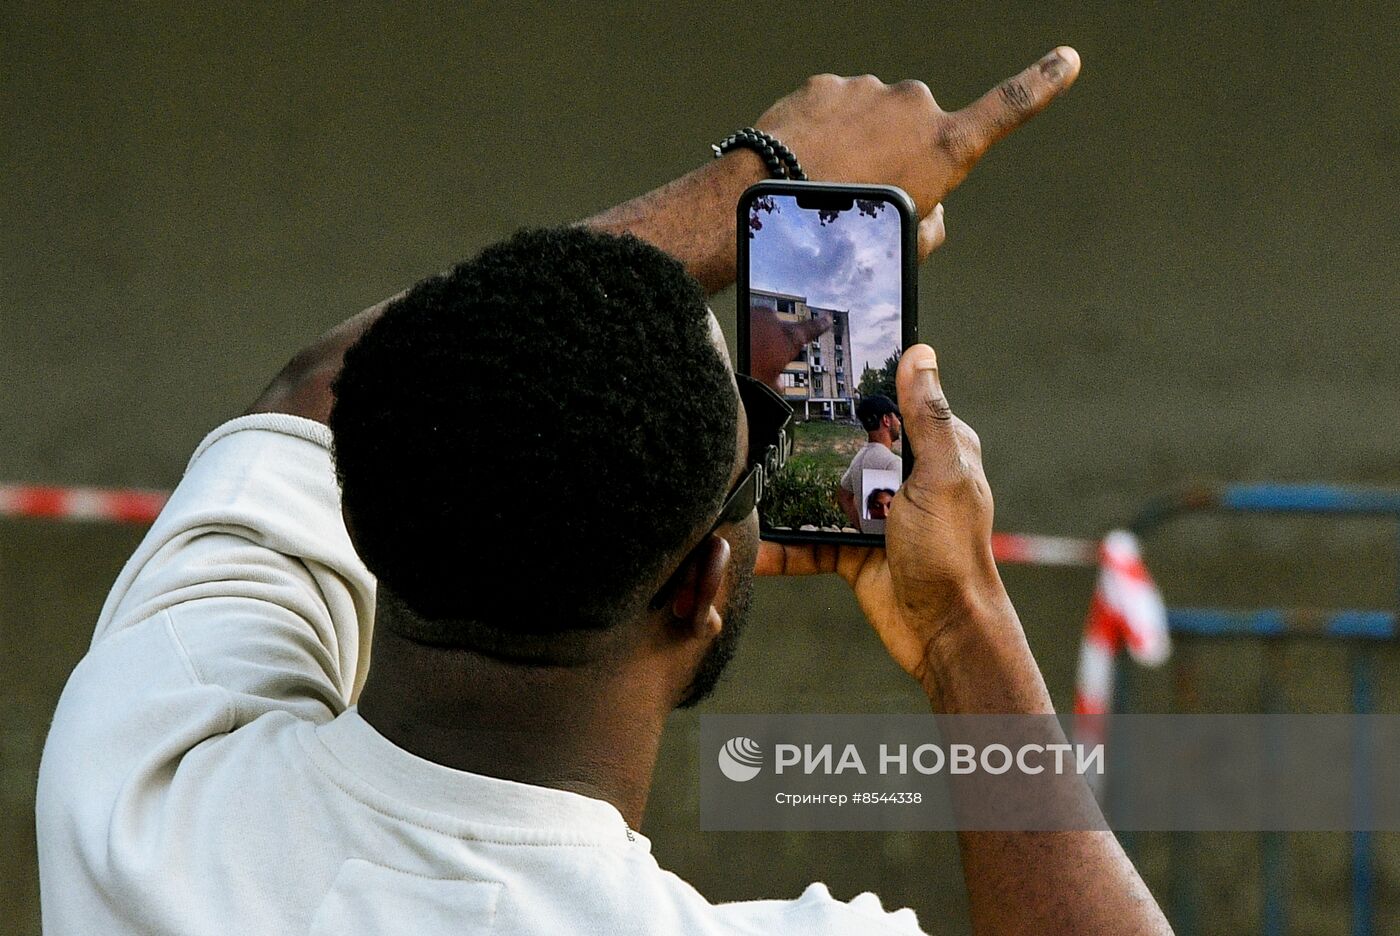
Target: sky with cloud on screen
849	263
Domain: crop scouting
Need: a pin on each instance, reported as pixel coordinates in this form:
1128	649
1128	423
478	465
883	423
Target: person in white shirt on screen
225	759
879	415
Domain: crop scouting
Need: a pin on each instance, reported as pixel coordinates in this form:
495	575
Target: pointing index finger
1017	99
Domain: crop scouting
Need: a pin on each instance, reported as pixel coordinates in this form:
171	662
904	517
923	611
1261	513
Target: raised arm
842	130
955	630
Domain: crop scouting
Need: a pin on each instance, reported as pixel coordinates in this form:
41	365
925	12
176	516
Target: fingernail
1053	65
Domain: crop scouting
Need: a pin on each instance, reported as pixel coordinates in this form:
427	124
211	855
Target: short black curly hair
575	367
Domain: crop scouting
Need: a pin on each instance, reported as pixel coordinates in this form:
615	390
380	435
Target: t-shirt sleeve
244	612
250	573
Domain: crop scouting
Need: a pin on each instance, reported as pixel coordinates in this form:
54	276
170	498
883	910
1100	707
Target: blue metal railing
1360	627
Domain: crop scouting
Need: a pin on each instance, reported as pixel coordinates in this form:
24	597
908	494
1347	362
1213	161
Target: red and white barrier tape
115	505
1029	549
1126	611
118	505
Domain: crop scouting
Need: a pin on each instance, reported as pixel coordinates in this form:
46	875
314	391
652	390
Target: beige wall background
1186	269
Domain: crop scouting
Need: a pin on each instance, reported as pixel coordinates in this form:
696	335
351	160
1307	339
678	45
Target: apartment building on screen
819	382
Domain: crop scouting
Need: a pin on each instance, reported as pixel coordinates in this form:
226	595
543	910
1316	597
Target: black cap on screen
870	410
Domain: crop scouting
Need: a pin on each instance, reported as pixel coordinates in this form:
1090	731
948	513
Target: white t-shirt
873	455
206	772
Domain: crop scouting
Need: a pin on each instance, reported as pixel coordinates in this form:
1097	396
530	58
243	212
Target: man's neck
883	438
558	727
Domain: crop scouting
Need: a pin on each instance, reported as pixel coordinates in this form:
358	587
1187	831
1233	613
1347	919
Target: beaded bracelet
779	159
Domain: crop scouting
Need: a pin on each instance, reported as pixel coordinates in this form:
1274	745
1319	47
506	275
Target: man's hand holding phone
936	578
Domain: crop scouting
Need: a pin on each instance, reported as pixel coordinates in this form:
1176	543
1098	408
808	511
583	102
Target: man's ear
702	576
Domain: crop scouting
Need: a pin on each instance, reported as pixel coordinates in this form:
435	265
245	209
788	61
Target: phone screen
826	289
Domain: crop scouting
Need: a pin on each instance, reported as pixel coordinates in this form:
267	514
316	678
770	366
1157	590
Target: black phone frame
908	314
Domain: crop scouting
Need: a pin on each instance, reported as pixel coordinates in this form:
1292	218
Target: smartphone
827	295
